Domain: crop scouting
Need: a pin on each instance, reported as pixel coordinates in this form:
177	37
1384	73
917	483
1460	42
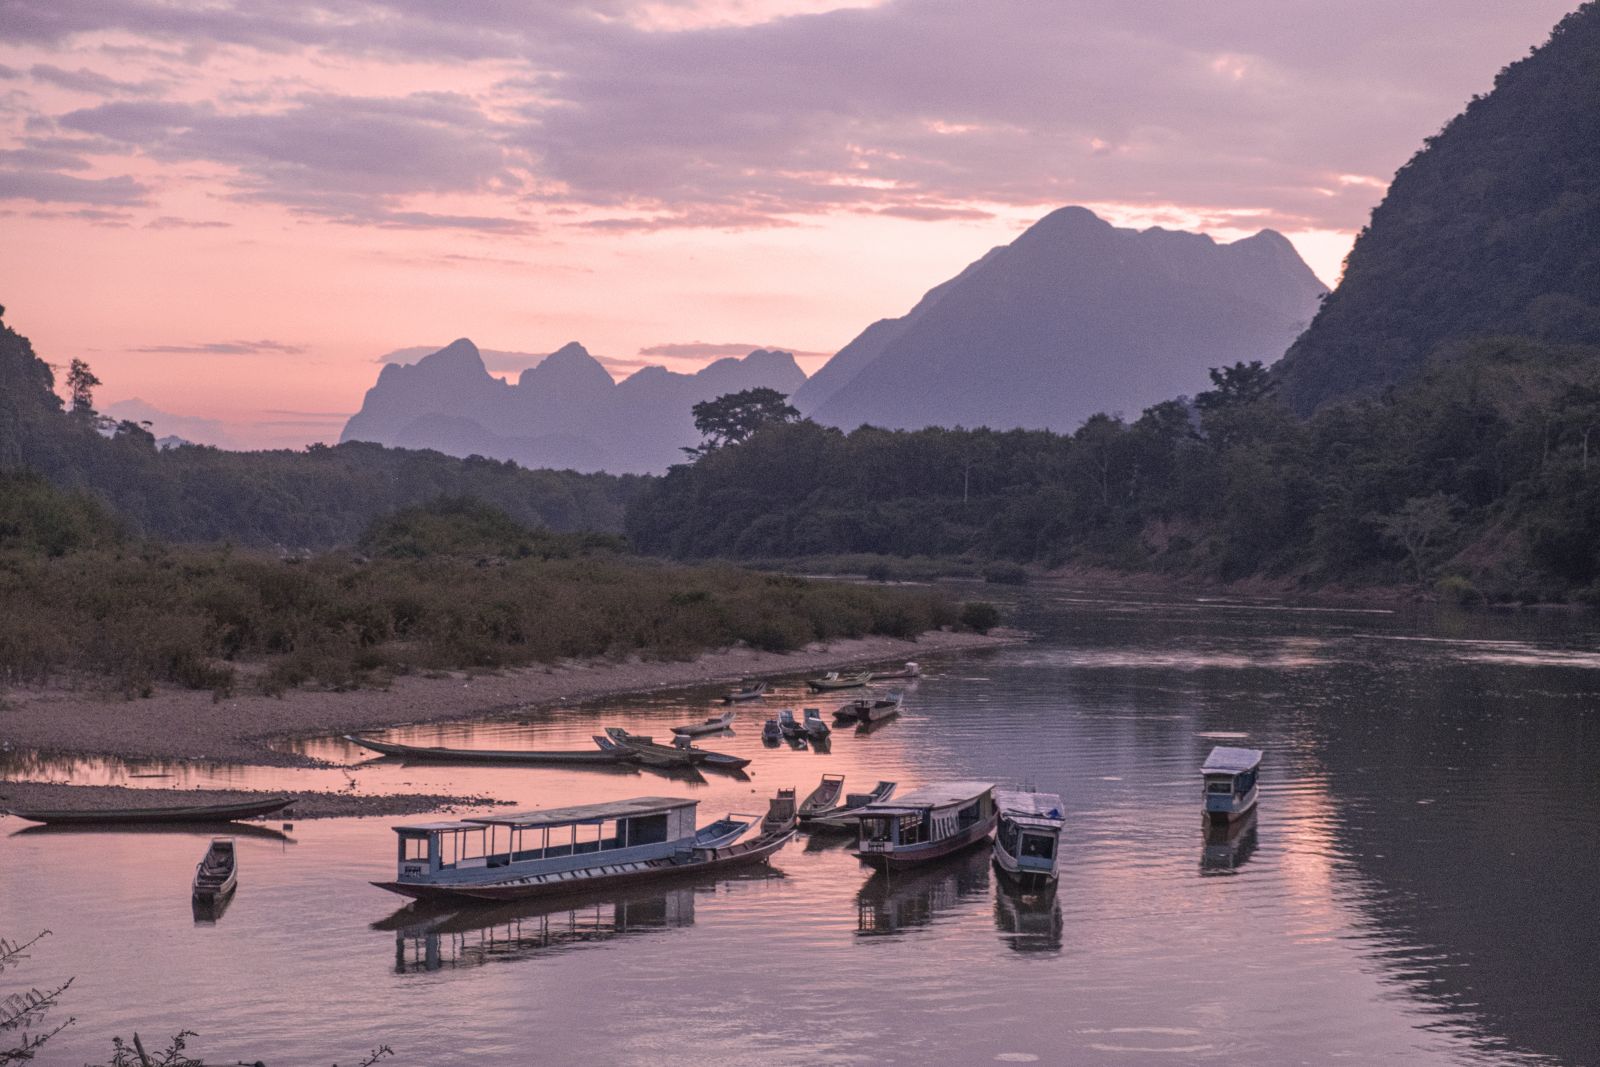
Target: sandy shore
307	805
183	724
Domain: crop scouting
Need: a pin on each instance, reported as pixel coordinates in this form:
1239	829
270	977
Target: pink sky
232	209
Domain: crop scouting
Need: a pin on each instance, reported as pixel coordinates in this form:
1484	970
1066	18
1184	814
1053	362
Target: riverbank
184	724
51	796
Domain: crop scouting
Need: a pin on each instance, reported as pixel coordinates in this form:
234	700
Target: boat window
1039	846
876	828
414	849
589	837
1008	836
647	830
1223	786
912	830
969	814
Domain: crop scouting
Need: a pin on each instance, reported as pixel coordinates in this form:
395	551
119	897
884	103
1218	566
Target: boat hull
206	813
483	755
910	856
1218	815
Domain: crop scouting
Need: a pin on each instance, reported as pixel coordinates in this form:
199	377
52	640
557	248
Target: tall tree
734	417
81	384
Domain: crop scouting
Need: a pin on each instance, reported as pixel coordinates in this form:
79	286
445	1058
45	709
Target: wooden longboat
436	754
834	680
910	670
927	824
680	753
868	710
714	725
823	797
217	873
843	817
747	691
193	813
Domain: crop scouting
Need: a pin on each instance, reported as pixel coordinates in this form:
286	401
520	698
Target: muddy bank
307	805
185	724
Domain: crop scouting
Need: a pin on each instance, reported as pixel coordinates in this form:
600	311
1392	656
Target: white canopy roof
934	795
1047	806
1224	760
615	809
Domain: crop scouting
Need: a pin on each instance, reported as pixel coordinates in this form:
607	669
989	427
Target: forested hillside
1492	229
312	499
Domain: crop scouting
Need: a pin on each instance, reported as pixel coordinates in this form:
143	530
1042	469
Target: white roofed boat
1230	777
1028	837
926	823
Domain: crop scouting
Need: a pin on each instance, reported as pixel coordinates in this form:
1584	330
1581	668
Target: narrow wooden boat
1028	837
679	753
834	680
813	725
868	710
823	797
910	670
564	850
714	725
782	814
724	831
746	691
843	817
1230	782
217	873
771	732
926	824
193	813
789	726
436	754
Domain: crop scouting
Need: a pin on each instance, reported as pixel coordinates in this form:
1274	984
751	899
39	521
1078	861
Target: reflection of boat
1028	922
926	824
238	829
714	725
746	691
192	813
1028	836
437	754
870	710
822	798
1229	846
889	903
910	670
815	728
834	680
1230	782
209	910
217	874
538	853
843	817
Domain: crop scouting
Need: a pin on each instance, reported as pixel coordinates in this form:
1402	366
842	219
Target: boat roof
1045	807
615	809
1224	760
933	795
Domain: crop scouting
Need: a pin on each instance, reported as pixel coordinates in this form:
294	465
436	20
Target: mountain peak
568	367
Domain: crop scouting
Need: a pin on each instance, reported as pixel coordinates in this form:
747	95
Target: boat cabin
551	841
1028	835
1230	782
926	820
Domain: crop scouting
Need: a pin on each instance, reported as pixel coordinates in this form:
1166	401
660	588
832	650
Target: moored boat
678	754
843	817
192	813
1028	837
867	710
782	813
910	670
562	850
1230	782
813	725
746	691
926	823
771	732
823	797
789	726
834	680
714	725
436	754
217	873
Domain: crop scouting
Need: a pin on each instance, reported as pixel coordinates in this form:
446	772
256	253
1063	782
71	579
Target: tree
1236	386
81	384
735	417
1421	523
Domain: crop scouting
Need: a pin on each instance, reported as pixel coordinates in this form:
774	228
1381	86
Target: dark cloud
41	159
84	80
48	186
226	348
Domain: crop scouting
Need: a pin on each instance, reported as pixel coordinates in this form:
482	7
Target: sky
236	209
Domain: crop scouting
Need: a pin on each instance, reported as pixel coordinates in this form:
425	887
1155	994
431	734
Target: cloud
94	215
50	187
200	431
706	350
84	80
226	348
172	222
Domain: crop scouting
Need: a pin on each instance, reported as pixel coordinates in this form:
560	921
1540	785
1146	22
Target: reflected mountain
1229	846
1027	922
892	902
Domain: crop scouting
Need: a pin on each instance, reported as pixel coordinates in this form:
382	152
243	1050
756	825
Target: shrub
980	616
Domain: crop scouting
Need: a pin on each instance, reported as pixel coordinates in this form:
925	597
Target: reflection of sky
1320	944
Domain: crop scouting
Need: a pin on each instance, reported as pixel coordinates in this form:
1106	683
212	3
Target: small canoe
713	725
869	710
723	831
771	732
217	874
843	817
192	813
679	753
813	725
834	680
781	814
910	670
435	754
789	725
823	797
747	691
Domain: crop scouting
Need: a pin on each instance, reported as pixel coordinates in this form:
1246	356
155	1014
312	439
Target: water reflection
206	830
1027	922
207	911
1229	846
892	902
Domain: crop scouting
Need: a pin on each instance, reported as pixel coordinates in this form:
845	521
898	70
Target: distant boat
746	691
715	724
823	797
1230	782
789	725
869	709
1028	836
771	732
566	850
193	813
834	680
926	824
910	670
844	816
435	754
679	753
217	874
814	727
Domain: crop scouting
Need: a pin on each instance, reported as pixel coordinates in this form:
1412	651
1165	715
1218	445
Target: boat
217	873
781	813
678	754
789	726
867	710
771	732
562	850
724	831
926	824
721	761
813	725
436	754
823	797
910	670
714	725
844	816
1028	836
746	691
1230	782
835	680
192	813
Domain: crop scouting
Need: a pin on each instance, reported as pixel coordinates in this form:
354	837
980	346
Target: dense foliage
1484	470
317	498
1492	229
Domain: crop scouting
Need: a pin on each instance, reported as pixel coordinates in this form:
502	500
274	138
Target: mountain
1074	317
1492	228
565	412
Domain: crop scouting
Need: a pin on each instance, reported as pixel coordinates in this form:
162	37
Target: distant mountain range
565	412
1074	317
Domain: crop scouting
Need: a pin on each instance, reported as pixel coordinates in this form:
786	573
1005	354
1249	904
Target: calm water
1419	886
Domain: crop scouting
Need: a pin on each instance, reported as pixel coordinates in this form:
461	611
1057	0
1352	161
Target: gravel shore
184	724
307	805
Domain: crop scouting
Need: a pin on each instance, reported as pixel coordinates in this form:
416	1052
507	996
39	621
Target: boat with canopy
926	824
843	817
1028	836
1230	790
